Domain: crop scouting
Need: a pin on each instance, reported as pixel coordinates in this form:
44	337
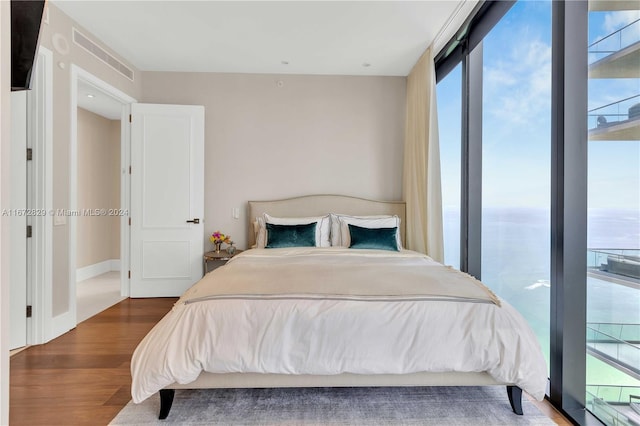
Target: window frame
567	376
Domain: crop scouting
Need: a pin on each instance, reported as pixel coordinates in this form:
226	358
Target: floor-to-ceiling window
516	159
449	95
516	131
613	239
569	263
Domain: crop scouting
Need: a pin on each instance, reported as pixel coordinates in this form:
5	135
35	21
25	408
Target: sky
517	115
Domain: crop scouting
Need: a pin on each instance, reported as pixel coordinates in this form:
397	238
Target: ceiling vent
83	41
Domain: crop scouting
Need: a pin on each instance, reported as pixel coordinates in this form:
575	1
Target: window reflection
613	258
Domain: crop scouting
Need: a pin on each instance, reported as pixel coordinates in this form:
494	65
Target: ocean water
516	266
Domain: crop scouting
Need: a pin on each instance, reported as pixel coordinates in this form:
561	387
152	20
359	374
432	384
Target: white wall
306	135
5	133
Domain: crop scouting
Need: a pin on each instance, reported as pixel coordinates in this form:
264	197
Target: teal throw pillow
279	236
373	238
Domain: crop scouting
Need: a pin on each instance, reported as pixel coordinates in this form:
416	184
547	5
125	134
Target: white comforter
326	311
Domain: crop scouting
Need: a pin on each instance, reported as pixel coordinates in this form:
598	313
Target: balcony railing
597	256
611	414
613	394
615	112
621	354
629	333
615	41
624	263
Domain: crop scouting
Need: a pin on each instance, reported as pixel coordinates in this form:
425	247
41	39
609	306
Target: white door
18	219
167	198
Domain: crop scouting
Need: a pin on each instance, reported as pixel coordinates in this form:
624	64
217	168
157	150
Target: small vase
231	250
217	247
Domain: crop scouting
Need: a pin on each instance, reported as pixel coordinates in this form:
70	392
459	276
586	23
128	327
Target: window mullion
569	207
471	167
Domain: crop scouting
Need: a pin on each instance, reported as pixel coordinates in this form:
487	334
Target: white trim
60	324
453	24
125	199
19	244
70	319
78	74
97	269
40	263
115	264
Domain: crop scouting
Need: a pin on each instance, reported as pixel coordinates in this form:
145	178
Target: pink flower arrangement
219	238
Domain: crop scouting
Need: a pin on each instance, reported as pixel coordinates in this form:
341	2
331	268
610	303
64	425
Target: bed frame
317	205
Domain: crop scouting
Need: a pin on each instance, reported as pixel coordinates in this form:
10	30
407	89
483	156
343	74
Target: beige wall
315	134
60	23
98	188
309	135
5	137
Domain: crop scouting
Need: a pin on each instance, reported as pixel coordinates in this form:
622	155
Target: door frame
20	243
39	272
79	74
40	196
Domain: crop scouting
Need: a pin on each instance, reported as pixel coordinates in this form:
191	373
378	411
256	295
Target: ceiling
95	100
288	37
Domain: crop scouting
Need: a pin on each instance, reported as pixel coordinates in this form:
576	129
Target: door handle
196	220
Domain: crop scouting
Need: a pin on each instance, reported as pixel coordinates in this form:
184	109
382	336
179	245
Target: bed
342	310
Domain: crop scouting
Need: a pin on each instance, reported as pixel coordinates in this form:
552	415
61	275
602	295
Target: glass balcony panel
613	258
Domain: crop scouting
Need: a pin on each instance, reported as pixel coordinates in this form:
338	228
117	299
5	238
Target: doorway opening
99	195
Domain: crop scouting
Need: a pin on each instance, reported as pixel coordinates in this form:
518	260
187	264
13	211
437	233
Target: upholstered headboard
319	205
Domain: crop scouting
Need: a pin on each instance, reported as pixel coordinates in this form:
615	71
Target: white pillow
323	228
340	227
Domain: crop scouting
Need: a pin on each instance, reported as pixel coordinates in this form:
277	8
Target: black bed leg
515	399
166	400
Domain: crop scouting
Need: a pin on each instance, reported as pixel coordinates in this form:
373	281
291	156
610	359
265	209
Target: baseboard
115	264
97	269
60	324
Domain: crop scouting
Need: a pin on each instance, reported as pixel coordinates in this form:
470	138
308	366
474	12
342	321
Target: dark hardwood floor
83	377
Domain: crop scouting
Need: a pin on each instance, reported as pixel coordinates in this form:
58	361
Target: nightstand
221	257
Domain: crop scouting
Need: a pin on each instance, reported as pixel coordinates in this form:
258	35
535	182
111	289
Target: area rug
485	405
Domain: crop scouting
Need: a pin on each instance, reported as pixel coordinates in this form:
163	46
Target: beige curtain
421	183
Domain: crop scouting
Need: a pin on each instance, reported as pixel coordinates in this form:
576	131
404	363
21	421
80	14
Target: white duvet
326	311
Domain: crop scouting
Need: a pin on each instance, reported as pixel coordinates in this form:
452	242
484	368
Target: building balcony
614	397
611	5
617	55
620	64
617	121
614	404
620	266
